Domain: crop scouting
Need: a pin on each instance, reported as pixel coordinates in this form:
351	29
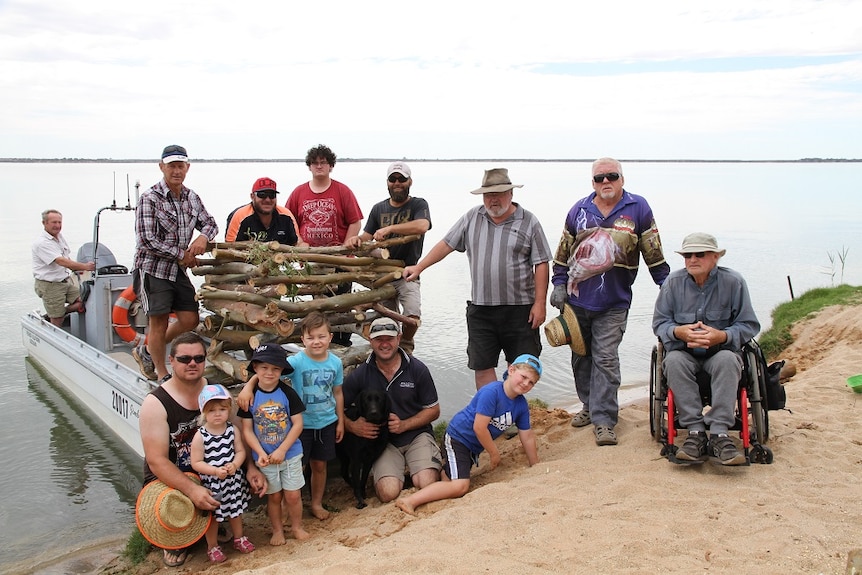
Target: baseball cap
174	153
530	360
383	326
273	354
210	392
399	167
263	184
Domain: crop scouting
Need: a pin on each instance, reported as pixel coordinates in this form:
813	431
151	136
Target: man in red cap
263	219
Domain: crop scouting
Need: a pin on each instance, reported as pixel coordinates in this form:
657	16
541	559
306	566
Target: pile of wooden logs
258	293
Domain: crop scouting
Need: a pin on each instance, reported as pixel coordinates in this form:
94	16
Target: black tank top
182	425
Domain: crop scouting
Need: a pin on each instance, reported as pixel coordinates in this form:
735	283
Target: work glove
559	297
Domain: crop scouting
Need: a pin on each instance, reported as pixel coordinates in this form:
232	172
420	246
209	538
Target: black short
161	297
495	328
318	444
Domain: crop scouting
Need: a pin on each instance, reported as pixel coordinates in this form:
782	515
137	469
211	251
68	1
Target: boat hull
111	390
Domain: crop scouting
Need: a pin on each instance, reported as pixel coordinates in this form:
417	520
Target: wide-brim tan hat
496	180
565	329
167	518
700	242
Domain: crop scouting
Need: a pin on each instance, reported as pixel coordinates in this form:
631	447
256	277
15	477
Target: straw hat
167	518
565	329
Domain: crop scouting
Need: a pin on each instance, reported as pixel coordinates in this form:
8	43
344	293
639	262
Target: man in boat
326	211
165	220
508	254
604	236
51	264
263	219
169	421
400	215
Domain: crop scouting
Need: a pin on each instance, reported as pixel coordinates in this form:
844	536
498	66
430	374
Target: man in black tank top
168	423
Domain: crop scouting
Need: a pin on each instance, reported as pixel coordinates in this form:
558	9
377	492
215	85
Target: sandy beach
622	509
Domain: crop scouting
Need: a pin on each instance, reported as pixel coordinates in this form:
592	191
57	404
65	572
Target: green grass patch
777	338
137	548
440	431
536	403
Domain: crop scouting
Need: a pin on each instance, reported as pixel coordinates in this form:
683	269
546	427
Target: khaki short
421	453
56	295
409	297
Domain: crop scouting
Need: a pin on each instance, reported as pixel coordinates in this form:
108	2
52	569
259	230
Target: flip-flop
180	554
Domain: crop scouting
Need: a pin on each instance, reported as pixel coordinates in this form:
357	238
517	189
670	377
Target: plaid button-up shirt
164	227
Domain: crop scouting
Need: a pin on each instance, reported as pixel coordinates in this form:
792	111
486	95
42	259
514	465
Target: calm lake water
68	482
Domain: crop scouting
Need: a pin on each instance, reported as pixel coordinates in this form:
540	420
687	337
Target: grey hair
46	213
607	160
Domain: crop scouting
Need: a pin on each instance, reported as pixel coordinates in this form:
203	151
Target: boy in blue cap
493	409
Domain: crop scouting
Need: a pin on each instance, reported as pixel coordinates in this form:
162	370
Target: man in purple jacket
595	266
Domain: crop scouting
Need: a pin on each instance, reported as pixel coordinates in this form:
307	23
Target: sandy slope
622	509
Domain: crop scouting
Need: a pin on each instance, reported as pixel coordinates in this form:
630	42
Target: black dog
357	454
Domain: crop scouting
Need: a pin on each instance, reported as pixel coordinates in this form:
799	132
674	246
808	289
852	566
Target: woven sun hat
496	180
167	518
700	242
565	329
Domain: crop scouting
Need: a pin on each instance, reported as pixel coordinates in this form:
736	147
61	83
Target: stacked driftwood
260	291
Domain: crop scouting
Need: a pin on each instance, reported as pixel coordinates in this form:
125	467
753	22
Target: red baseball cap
264	184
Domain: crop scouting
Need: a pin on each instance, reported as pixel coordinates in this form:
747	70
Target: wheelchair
752	407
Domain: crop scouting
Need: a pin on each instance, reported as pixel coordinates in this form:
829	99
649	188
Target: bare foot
319	512
405	507
277	539
300	534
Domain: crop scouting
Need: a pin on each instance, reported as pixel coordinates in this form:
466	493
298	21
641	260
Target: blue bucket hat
273	354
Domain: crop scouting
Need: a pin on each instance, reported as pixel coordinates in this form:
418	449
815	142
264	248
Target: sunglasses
268	194
698	255
384	327
611	176
397	178
187	359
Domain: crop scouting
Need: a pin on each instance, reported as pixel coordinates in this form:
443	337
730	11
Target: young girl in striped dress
218	456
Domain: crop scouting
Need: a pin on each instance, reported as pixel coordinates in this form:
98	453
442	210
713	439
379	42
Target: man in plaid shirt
165	220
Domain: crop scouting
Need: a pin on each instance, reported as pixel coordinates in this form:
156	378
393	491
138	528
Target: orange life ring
120	318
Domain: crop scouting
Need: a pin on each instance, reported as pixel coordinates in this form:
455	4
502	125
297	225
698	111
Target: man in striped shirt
508	255
165	220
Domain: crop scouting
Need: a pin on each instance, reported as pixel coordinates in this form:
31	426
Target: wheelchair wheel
756	383
657	409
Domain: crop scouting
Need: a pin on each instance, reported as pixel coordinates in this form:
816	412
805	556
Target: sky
750	80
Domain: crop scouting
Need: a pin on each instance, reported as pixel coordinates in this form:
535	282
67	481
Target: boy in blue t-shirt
271	426
493	409
317	378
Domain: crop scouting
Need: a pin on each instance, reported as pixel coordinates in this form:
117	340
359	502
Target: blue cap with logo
530	360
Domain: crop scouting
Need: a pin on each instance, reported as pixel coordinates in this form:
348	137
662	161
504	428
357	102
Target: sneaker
216	555
725	450
145	362
605	435
581	419
694	448
243	545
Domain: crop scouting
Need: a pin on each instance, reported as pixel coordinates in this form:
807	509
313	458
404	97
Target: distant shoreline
347	160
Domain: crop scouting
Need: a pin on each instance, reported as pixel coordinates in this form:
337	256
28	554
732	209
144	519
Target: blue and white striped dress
232	491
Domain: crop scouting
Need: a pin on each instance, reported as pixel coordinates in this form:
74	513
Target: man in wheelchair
703	317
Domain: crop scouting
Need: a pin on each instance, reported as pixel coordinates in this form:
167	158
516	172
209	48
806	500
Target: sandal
581	419
243	545
605	435
216	555
179	557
